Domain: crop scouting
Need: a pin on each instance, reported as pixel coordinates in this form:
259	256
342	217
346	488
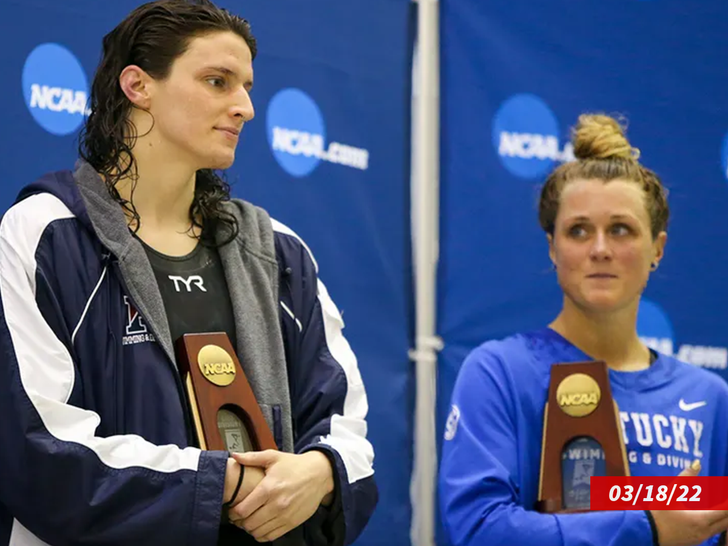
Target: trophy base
225	412
582	437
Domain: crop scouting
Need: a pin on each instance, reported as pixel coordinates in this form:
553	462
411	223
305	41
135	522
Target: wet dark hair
603	153
152	37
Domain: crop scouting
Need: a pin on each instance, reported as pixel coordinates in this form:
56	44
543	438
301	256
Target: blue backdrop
515	77
326	154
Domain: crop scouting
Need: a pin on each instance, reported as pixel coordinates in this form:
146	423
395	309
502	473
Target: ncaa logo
654	327
724	156
55	89
525	136
297	136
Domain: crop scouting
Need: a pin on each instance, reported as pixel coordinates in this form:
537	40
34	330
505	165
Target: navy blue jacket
95	442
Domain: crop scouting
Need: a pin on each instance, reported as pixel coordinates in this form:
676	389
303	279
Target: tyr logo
188	282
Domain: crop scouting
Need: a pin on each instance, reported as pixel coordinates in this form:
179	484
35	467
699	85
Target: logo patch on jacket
451	426
136	330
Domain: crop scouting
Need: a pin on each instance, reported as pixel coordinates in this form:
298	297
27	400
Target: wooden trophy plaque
226	414
582	437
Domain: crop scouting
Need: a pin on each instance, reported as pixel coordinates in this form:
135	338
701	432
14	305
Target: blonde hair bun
598	136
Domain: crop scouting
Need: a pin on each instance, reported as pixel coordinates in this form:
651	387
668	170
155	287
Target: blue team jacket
671	414
95	441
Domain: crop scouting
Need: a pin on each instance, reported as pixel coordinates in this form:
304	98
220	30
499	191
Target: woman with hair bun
605	218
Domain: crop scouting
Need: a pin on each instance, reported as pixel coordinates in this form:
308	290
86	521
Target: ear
552	250
658	247
137	86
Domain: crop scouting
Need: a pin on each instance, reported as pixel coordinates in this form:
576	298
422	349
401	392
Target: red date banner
659	493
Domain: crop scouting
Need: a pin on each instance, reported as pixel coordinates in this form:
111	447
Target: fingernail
696	465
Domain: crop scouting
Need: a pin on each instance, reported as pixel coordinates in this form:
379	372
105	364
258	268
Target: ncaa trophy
225	411
582	437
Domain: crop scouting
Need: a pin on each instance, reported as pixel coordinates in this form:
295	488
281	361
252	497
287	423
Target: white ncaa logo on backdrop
526	137
297	136
55	89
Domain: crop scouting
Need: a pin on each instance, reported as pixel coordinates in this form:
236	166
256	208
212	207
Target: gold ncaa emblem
216	365
578	395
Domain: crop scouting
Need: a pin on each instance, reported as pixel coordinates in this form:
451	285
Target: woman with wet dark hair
104	267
